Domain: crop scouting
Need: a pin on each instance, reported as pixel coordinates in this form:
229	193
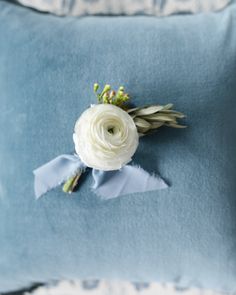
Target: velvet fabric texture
185	234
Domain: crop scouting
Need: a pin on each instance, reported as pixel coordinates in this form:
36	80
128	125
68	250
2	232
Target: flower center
110	129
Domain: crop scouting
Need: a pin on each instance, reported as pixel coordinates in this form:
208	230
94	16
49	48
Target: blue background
185	234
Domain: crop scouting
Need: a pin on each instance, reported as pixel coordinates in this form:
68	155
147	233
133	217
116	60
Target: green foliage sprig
150	118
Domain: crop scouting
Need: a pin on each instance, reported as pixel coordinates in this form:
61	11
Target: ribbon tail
128	180
53	173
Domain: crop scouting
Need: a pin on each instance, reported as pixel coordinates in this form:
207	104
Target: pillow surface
185	234
129	7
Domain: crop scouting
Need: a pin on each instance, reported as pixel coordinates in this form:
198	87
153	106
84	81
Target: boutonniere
106	136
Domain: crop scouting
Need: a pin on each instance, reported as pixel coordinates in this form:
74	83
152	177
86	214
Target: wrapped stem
71	183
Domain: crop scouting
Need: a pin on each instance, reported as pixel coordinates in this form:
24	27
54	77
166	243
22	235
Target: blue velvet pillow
185	234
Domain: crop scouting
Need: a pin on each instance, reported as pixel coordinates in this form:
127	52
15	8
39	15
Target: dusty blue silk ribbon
107	184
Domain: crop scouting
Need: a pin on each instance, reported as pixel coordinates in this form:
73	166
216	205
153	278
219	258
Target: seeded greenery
118	98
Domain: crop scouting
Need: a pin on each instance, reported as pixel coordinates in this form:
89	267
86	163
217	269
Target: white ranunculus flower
105	137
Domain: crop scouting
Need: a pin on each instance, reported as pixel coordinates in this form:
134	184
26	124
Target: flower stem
71	183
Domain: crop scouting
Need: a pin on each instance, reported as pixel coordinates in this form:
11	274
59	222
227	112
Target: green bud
125	97
95	87
106	88
120	92
105	97
112	94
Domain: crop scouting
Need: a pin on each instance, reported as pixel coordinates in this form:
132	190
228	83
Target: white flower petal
105	137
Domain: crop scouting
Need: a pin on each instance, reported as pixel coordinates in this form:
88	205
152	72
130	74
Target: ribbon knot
106	184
